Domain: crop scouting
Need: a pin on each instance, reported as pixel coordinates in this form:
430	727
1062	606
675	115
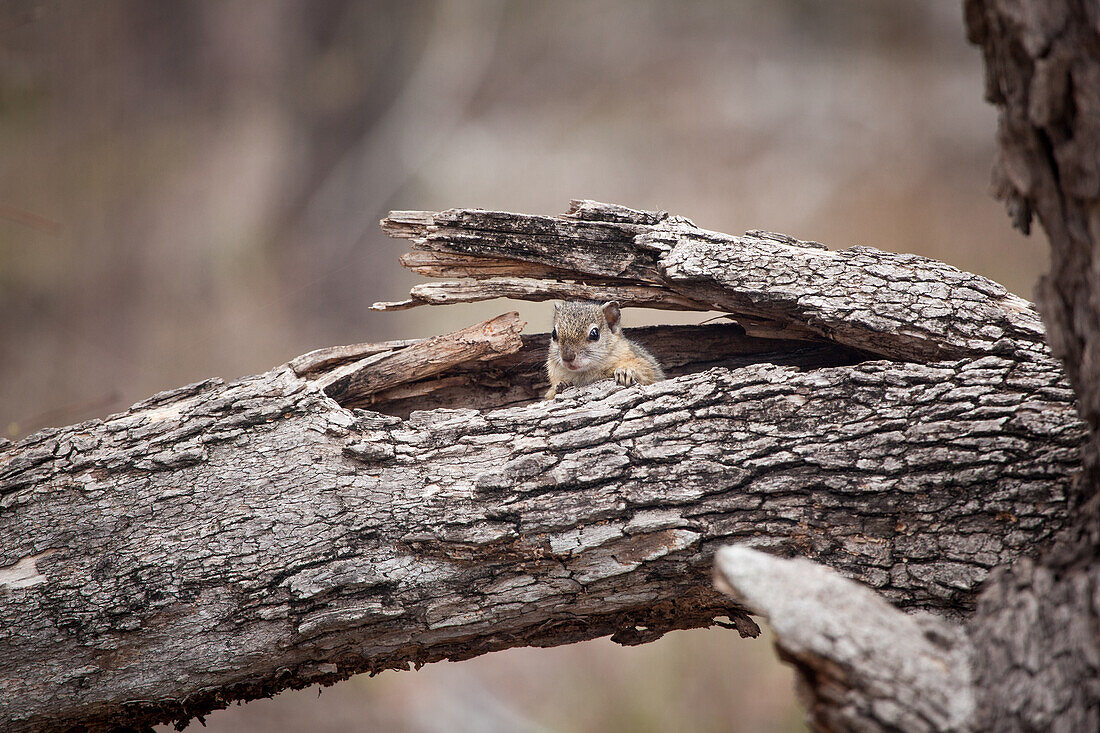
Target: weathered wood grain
321	360
226	541
533	289
862	664
446	264
896	306
385	369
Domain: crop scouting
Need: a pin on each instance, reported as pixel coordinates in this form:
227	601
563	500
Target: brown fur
611	356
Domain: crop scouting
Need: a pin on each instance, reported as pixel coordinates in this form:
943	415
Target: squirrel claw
626	376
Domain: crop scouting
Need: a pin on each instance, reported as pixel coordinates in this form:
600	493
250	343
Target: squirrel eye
554	335
594	334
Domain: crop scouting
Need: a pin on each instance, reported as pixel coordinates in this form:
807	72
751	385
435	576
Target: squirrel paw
626	376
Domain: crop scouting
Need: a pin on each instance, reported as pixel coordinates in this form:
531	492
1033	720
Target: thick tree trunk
1029	658
226	541
1037	633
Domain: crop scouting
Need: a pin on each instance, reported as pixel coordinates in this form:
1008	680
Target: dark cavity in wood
519	377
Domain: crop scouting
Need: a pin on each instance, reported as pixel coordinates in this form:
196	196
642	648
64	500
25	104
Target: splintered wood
489	365
889	305
403	362
583	255
794	302
529	288
513	521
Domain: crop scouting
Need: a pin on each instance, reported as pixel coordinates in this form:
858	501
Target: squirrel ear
611	313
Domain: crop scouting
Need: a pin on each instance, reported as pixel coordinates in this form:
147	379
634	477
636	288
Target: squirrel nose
568	356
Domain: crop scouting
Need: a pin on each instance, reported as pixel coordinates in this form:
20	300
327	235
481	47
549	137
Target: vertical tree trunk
1029	658
1037	631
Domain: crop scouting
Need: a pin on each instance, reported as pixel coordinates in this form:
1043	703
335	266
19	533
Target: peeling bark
894	306
226	541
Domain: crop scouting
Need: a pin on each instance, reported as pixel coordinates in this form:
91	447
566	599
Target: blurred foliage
192	189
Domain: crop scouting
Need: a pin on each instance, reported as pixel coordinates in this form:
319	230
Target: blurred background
192	189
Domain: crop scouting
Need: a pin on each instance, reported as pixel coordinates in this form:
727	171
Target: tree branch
862	664
895	306
226	541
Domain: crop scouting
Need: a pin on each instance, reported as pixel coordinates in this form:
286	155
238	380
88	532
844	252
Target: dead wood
410	362
862	664
1029	658
895	306
224	541
1037	633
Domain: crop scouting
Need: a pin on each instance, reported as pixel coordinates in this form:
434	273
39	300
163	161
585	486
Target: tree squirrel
587	345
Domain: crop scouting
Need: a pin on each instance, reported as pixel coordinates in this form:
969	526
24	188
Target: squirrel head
584	333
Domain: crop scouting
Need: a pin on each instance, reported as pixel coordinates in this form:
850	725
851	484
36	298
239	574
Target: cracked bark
1029	658
1037	631
894	306
862	664
225	541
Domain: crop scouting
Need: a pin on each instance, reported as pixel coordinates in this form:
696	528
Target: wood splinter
412	361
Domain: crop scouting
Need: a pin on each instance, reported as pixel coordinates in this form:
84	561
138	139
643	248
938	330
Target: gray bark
894	306
1029	658
862	664
226	541
1037	630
